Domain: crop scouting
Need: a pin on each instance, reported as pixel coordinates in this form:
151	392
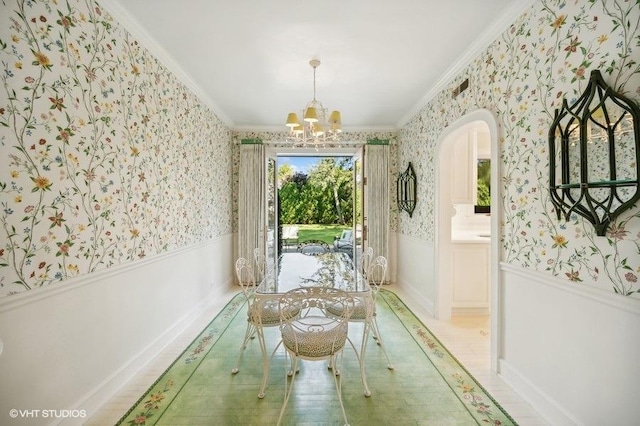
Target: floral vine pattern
151	405
543	57
106	157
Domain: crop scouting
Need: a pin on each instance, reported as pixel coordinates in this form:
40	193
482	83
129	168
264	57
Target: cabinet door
470	275
462	167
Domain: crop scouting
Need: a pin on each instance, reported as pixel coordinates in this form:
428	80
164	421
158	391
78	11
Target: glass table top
294	270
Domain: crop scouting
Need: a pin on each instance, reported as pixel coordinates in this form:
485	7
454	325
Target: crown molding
482	42
120	14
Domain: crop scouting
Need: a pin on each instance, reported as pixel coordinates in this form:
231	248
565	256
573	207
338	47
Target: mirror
406	190
594	158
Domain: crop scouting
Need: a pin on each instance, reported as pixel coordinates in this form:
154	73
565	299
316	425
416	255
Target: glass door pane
358	212
272	208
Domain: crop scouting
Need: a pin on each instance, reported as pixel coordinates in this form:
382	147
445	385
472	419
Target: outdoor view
316	197
483	204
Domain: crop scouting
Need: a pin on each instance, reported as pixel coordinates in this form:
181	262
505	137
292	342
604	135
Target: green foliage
484	183
324	196
326	233
285	172
484	197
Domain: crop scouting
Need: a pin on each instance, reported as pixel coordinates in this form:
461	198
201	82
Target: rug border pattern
153	403
149	408
469	391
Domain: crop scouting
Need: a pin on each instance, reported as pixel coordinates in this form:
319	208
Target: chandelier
316	128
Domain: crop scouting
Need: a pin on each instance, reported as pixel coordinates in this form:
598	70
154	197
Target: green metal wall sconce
407	190
594	155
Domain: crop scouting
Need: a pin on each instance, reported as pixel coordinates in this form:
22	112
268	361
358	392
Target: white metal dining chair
261	313
376	275
314	335
365	312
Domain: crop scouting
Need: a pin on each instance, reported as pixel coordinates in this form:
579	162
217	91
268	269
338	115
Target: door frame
274	151
443	226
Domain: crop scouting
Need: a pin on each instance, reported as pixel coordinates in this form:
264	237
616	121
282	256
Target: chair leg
265	361
249	334
289	388
338	383
363	350
376	332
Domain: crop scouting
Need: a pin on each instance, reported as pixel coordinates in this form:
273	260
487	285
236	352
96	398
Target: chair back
377	273
315	334
313	247
313	320
246	279
365	260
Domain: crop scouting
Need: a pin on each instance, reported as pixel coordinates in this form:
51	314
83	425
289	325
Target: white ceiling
381	60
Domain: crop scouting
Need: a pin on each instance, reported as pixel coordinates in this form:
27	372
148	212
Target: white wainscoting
72	345
415	270
571	350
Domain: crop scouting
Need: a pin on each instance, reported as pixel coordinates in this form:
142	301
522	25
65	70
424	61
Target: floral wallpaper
105	157
522	77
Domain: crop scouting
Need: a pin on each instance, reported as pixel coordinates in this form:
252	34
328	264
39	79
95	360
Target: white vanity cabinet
471	277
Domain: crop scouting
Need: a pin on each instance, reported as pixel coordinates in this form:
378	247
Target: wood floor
466	337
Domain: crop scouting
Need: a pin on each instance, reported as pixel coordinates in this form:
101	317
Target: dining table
332	269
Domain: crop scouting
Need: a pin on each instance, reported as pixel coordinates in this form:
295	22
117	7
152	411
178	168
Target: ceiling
249	60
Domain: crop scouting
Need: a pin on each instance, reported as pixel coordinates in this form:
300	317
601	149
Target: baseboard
546	407
469	311
95	399
415	297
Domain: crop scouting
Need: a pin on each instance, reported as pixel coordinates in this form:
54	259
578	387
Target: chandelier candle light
315	130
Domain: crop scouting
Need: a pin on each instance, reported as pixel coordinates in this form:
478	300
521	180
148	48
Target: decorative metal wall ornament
594	155
407	190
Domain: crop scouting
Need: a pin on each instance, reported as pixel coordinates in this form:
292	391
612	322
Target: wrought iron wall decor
594	155
407	190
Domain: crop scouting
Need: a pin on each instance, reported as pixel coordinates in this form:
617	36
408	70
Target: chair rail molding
584	289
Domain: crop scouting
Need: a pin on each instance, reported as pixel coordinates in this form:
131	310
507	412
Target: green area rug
427	386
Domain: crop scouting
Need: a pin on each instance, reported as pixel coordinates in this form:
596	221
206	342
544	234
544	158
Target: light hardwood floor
466	337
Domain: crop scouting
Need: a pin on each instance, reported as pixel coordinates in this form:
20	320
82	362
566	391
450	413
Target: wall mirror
407	190
594	149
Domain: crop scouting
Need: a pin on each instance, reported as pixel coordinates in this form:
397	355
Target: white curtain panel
377	165
251	212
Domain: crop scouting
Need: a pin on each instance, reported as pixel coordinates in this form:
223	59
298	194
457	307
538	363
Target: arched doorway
449	168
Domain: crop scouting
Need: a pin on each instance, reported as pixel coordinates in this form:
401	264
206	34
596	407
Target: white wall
72	346
572	351
415	270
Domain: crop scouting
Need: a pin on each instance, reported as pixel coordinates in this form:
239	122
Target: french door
271	236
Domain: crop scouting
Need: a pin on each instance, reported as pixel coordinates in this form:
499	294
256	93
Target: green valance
377	141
